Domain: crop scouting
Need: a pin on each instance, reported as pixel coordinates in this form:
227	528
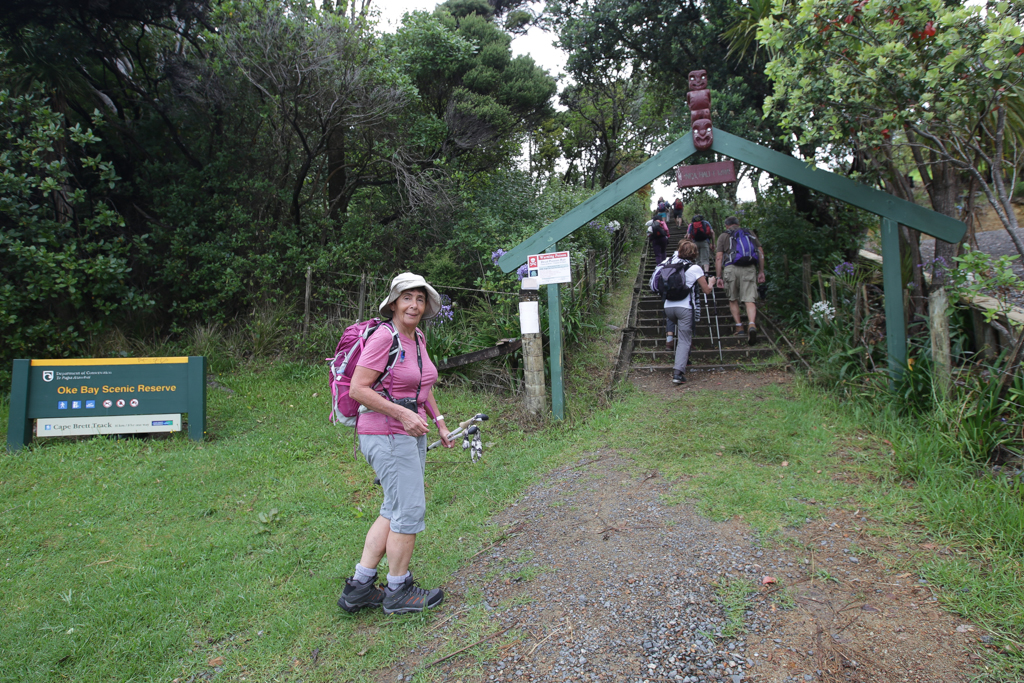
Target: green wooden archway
891	209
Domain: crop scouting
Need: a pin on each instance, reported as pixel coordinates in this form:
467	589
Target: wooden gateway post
892	210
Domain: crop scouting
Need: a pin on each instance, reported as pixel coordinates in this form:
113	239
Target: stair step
708	367
696	342
704	355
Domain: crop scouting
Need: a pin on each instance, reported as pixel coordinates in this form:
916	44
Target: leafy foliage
938	81
65	274
787	235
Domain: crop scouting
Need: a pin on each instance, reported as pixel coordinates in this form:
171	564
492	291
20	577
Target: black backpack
658	230
674	278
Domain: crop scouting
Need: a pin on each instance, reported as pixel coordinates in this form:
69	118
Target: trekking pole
708	309
469	426
718	332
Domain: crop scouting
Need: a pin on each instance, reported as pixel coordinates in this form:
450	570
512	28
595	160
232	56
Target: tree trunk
943	191
337	175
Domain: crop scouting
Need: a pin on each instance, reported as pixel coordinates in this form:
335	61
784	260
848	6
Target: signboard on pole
550	269
706	174
106	396
127	424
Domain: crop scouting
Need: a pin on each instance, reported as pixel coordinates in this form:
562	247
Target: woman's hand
445	434
412	423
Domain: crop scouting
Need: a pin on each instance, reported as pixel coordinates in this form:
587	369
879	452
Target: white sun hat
404	281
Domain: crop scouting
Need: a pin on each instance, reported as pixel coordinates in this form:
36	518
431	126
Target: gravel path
596	579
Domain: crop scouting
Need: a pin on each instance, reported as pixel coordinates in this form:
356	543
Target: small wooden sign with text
706	174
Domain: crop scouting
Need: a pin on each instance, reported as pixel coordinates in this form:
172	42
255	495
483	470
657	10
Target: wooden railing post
807	281
938	302
591	273
533	350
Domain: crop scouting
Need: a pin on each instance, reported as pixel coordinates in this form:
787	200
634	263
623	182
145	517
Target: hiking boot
668	343
740	332
678	377
359	595
411	598
751	334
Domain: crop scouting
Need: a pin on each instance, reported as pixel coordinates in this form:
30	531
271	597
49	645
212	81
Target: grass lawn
156	559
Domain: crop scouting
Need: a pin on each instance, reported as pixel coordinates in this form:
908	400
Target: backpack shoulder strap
393	352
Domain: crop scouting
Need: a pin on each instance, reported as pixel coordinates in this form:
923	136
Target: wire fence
342	297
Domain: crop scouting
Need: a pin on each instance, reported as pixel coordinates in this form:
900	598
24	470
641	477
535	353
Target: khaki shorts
741	283
704	254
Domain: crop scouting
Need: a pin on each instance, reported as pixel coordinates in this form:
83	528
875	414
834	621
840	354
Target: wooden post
807	281
906	309
362	298
856	315
533	351
835	297
533	364
938	302
309	290
591	272
821	288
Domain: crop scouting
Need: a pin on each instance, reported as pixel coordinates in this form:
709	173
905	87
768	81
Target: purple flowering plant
845	269
446	313
496	255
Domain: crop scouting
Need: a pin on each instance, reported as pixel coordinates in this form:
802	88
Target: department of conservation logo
47	375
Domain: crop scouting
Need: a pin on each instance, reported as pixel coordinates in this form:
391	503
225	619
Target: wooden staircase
714	345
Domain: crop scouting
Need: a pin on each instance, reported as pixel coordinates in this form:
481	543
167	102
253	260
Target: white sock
395	582
364	575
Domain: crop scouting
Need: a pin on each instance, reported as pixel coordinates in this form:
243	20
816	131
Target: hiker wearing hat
393	437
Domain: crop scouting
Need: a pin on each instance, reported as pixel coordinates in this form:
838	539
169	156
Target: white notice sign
120	424
550	269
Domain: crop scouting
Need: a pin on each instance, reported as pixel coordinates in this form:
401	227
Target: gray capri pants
400	462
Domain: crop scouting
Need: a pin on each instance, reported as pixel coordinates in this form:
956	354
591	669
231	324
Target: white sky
539	45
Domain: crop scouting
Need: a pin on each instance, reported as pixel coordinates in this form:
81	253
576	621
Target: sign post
106	396
555	335
552	268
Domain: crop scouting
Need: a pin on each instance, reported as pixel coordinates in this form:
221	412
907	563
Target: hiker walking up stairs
713	345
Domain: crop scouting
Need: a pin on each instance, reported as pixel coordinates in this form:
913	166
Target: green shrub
787	236
63	250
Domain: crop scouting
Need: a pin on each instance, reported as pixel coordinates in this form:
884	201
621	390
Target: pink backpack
344	409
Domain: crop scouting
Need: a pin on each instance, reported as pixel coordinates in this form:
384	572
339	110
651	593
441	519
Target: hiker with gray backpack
677	279
739	251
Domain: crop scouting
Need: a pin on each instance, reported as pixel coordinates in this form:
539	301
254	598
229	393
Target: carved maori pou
699	100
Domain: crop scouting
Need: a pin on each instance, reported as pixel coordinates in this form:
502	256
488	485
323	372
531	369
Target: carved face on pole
699	99
699	79
703	135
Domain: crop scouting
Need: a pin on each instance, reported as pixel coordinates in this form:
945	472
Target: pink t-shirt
400	383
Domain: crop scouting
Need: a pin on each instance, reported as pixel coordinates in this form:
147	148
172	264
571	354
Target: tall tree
934	78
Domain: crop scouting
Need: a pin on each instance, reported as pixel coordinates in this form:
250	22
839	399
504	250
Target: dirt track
598	580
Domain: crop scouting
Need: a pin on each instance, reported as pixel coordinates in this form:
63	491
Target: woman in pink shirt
392	427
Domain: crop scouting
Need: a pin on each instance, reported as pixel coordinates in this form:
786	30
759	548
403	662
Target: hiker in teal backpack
739	251
392	428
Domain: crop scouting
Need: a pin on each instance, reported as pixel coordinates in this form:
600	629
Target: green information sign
106	396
